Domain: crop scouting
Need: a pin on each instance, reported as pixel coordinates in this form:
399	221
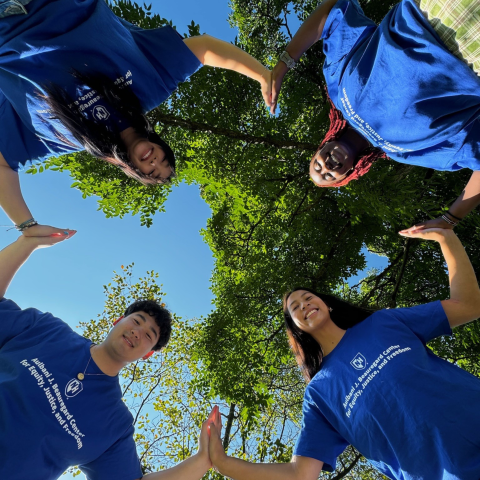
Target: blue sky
67	279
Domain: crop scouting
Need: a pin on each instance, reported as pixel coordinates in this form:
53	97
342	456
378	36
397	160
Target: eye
308	298
137	322
149	337
294	308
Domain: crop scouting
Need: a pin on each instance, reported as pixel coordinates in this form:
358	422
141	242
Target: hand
266	86
215	447
435	223
436	234
278	73
47	231
204	438
44	242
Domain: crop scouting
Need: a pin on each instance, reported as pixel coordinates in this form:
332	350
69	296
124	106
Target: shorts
457	23
13	7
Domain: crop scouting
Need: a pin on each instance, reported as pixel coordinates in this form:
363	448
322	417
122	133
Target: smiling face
332	163
150	159
134	336
308	311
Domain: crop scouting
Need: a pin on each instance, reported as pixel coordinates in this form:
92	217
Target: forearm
11	198
240	470
463	282
469	198
193	468
11	259
310	30
217	53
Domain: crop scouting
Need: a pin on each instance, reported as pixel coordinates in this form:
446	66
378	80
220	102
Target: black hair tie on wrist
452	215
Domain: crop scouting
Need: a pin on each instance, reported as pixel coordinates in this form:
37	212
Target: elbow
206	48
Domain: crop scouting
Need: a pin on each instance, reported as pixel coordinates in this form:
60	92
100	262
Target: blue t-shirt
401	88
48	419
413	415
58	35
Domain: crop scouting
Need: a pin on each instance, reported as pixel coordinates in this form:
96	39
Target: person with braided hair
407	89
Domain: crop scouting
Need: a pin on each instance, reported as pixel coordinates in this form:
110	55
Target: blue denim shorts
13	7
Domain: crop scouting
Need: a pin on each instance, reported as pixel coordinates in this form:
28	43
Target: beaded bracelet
449	221
26	224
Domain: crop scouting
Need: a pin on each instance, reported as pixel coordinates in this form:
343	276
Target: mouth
335	160
127	341
147	154
310	313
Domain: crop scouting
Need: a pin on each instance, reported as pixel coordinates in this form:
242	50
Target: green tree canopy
272	229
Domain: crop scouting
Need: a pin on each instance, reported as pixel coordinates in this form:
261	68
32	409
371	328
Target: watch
288	60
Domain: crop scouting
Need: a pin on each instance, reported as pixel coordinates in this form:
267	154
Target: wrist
203	461
264	74
447	236
30	244
221	464
287	60
281	68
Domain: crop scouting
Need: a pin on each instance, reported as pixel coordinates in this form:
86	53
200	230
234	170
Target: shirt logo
74	387
101	113
359	362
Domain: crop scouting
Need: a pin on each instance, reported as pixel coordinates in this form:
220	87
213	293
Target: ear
148	355
116	321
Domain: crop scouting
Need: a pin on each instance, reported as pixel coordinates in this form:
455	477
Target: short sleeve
13	320
21	144
119	462
318	438
170	57
344	26
427	321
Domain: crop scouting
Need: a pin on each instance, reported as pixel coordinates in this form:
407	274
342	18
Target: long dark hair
308	352
94	136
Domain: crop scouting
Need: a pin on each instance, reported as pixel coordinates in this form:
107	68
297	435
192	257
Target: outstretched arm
463	306
469	198
309	33
17	253
217	53
13	203
11	198
460	208
194	467
301	468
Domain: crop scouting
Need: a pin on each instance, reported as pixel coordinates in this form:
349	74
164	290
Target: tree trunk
228	426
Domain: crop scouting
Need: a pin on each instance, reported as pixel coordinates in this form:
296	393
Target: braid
338	125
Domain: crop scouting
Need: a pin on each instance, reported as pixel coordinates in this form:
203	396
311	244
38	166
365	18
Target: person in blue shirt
395	90
74	76
373	383
60	399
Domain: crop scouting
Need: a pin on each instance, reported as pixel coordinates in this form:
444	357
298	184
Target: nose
135	333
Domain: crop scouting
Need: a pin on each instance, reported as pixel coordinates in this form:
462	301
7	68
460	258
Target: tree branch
228	426
393	301
186	124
